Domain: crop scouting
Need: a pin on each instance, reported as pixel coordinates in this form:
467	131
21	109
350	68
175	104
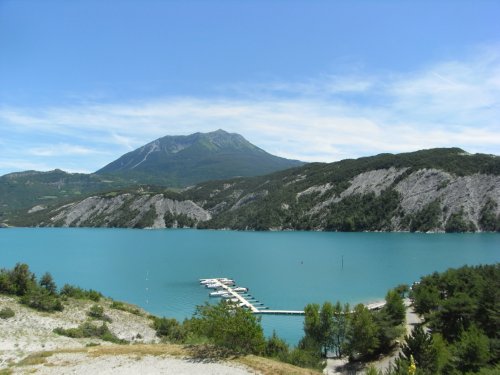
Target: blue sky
82	82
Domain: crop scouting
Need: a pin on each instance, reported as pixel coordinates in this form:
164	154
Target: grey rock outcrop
127	209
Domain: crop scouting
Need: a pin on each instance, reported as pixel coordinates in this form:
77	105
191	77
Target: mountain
178	161
429	190
40	189
173	161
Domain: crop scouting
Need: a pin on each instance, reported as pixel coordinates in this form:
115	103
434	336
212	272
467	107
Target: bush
117	305
79	293
7	313
305	358
231	327
276	347
41	299
97	312
87	330
169	329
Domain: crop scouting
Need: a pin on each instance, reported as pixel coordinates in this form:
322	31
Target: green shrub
305	358
87	330
79	293
169	329
41	299
97	312
7	313
117	305
230	327
276	347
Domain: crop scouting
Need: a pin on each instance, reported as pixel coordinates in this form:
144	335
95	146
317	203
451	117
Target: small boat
234	299
227	296
212	286
218	293
207	281
240	289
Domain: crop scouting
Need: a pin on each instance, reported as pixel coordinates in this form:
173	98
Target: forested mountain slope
179	161
429	190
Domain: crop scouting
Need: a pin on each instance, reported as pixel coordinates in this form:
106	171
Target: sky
83	82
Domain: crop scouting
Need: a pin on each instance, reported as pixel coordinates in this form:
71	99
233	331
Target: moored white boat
218	293
212	286
240	289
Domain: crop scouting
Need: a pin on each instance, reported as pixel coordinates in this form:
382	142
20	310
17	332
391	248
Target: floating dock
252	306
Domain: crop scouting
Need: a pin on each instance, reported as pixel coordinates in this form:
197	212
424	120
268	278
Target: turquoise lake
159	269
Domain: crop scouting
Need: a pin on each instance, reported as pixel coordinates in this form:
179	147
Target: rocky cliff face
127	210
423	200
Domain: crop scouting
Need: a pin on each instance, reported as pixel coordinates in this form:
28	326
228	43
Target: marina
225	288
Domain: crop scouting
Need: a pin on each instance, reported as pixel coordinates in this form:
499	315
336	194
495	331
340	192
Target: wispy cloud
450	103
62	150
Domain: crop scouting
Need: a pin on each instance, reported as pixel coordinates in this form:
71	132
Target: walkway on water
254	309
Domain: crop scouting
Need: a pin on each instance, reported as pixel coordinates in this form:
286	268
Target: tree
48	283
229	326
420	345
472	350
326	327
363	332
312	339
22	279
456	314
340	327
394	307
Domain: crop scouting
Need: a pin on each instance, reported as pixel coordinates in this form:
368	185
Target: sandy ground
342	367
27	334
81	363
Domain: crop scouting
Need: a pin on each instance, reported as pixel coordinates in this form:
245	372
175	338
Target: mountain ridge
428	190
179	161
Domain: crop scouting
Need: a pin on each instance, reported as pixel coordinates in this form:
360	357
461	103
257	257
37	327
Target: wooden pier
236	295
244	302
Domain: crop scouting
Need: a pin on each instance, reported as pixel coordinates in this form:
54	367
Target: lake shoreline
159	269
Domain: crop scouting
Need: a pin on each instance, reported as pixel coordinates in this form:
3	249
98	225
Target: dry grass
38	358
267	366
137	350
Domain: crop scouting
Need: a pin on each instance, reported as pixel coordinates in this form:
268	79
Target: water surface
159	269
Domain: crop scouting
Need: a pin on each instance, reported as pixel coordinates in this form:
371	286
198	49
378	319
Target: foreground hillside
48	330
430	190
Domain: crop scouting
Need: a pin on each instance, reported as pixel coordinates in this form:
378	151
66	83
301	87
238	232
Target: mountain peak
189	159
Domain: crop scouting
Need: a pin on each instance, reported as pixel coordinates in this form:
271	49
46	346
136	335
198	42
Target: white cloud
62	149
451	103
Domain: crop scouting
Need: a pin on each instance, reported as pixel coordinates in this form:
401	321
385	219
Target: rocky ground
29	345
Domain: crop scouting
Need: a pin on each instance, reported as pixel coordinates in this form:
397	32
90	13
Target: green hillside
428	190
31	188
178	161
